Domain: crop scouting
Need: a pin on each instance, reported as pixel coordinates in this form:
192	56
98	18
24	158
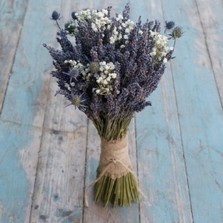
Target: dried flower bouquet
107	67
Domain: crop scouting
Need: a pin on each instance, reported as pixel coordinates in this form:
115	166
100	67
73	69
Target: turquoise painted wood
26	93
17	165
213	33
160	154
49	153
200	115
12	14
24	108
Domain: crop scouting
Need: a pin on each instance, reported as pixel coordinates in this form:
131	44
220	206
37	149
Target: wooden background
48	153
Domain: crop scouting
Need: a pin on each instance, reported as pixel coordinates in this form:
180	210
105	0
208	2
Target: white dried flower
98	91
125	36
160	48
105	77
165	60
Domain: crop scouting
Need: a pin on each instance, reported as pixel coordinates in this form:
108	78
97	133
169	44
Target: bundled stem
112	129
116	183
119	192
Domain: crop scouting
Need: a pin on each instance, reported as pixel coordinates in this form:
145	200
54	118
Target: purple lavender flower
111	65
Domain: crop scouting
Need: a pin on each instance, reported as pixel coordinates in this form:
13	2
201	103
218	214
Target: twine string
112	161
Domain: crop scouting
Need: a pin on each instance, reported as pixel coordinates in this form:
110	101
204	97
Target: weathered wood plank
161	169
23	108
18	153
200	114
26	94
211	15
12	14
162	172
58	194
95	212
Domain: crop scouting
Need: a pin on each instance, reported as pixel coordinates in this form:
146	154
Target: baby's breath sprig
105	78
160	47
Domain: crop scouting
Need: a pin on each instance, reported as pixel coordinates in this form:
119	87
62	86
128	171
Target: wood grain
59	183
200	115
161	164
23	113
12	13
26	95
210	15
18	158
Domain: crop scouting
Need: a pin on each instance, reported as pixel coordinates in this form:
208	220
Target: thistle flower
55	15
176	33
74	74
78	101
169	25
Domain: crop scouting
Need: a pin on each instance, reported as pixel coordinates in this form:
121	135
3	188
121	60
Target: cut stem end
118	192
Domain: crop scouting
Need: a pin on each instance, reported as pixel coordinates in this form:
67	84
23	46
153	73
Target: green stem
112	129
118	192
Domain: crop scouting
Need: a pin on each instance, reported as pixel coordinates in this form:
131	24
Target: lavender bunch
107	67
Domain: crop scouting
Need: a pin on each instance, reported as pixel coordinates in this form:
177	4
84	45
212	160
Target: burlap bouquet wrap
116	182
114	158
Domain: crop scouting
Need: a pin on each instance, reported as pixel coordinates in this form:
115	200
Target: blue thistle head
55	15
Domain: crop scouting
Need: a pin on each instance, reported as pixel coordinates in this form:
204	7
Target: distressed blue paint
11	18
201	118
14	185
31	62
21	105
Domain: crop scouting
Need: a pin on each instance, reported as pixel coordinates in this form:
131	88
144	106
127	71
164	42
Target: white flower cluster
127	26
99	18
160	48
105	78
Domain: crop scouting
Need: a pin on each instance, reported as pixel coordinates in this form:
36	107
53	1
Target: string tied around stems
114	163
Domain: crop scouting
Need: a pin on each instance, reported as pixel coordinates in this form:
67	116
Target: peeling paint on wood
200	116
